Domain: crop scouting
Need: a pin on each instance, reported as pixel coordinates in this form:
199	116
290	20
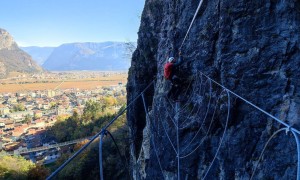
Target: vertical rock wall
253	49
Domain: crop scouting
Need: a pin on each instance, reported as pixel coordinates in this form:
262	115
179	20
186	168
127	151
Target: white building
50	93
20	115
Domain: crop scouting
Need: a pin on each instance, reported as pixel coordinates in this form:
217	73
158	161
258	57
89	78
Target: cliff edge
250	47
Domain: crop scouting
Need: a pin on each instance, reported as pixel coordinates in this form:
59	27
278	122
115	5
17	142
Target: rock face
7	41
14	59
251	48
88	56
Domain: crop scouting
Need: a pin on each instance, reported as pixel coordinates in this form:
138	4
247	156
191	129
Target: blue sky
54	22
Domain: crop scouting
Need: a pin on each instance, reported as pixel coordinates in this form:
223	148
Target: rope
278	131
187	117
155	150
167	135
152	139
170	103
256	107
190	82
98	134
206	113
168	114
298	152
191	23
190	97
221	141
119	152
210	92
190	100
185	94
294	131
202	140
177	134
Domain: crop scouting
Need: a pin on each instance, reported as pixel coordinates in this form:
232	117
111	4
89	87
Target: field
16	85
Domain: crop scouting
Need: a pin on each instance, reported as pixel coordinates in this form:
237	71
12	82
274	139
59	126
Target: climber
170	69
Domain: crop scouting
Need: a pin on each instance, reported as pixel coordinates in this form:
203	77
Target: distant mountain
88	56
39	54
12	58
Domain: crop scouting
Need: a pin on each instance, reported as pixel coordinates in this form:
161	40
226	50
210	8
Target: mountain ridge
88	56
14	59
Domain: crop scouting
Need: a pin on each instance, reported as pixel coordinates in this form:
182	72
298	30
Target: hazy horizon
75	43
52	23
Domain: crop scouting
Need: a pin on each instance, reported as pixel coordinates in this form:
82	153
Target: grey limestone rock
251	48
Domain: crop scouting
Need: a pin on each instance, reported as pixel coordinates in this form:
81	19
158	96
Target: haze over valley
42	86
104	56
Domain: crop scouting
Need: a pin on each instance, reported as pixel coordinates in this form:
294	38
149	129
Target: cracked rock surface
251	48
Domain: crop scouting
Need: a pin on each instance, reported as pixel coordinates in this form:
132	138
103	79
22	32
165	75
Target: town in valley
32	103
